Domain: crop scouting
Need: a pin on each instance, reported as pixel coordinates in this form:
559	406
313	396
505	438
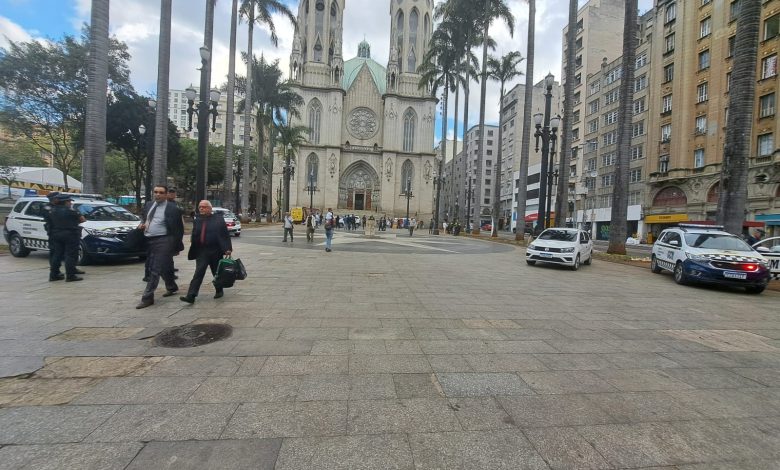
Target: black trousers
206	259
286	231
160	257
63	246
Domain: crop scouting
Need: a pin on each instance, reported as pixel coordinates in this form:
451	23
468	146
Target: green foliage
183	167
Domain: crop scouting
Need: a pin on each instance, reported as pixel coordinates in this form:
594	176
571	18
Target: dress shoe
73	278
187	298
145	279
144	304
56	277
169	293
327	250
78	271
219	294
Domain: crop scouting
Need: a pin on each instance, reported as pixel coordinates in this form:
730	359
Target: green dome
364	49
352	68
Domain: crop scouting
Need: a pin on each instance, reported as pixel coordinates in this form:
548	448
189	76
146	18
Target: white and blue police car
707	254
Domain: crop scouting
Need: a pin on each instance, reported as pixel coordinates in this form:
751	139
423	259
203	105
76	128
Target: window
635	175
608	159
668	73
635	198
605	200
490	133
641	61
640	83
669	43
590	183
701	93
490	142
732	43
734	10
728	82
638	129
705	2
671	13
666	104
698	158
490	152
593	126
610	118
614	75
410	123
486	201
769	66
593	107
591	146
701	124
607	180
639	105
488	162
767	105
594	87
315	121
610	138
488	173
663	164
771	27
487	190
612	96
637	152
407	176
666	133
766	144
704	59
705	27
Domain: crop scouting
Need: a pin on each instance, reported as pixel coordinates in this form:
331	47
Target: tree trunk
159	174
95	126
440	163
619	220
481	141
562	195
497	184
247	116
466	156
525	139
732	204
227	198
453	187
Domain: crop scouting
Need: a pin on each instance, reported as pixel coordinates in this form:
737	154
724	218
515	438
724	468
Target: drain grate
189	336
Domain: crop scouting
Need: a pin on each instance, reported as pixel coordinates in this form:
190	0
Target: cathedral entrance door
359	187
360	201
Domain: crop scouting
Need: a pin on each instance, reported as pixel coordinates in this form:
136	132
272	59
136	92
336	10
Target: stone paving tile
504	362
463	346
175	366
639	380
314	333
43	392
402	347
255	334
584	361
728	403
298	365
520	347
752	464
395	416
579	346
250	366
246	389
371	452
482	384
345	347
527	334
481	414
271	348
564	448
585	334
316	387
371	387
449	363
554	410
91	333
140	390
246	454
712	378
352	323
429	334
634	407
565	382
764	376
51	424
299	419
388	364
417	386
70	367
639	360
380	333
475	333
172	422
76	456
220	348
700	359
500	449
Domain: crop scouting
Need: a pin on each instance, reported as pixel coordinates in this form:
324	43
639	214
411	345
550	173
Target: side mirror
763	249
674	243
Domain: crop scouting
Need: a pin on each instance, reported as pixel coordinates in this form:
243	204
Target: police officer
64	238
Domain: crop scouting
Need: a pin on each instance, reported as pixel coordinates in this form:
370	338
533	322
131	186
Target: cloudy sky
136	22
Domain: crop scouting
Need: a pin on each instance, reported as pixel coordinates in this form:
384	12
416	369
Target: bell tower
410	34
316	58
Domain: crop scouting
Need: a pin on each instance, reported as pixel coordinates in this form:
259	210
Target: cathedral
371	127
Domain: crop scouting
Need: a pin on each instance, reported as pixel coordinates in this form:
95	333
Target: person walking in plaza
311	224
430	227
288	227
210	240
171	196
163	228
64	237
330	224
412	223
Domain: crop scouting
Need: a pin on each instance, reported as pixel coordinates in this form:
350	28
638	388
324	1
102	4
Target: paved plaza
390	353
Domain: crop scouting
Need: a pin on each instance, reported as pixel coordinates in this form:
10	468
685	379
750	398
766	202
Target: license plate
546	255
734	275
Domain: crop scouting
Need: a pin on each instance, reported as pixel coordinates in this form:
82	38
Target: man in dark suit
210	240
163	228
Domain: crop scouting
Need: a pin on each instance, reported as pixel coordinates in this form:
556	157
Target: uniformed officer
64	235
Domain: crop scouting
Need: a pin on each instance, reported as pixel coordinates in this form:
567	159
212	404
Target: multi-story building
447	194
692	57
177	113
481	204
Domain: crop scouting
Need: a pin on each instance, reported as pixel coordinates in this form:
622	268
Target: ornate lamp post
552	180
546	129
469	193
408	195
439	160
289	172
311	189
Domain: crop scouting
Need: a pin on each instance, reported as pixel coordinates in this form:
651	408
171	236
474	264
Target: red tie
203	232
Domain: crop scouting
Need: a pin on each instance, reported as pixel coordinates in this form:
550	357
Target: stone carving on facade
362	123
388	169
334	107
390	113
427	171
332	165
428	118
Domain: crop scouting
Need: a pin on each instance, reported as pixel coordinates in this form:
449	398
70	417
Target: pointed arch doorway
359	188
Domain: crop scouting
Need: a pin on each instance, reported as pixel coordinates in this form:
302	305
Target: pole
549	196
438	195
545	135
287	180
468	211
203	107
311	191
408	197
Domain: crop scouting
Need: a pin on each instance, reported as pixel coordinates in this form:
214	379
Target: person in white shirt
288	227
412	226
311	224
330	224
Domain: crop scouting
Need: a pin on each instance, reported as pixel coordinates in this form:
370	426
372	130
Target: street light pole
440	159
546	129
287	174
551	179
207	105
311	190
148	176
408	194
468	210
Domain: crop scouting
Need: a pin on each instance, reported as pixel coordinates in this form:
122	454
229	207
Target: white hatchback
231	220
568	246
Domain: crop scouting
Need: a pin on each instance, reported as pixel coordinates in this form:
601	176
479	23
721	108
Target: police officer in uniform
64	235
53	201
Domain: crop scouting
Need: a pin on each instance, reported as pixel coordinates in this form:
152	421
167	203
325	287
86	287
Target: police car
770	249
707	254
232	222
102	235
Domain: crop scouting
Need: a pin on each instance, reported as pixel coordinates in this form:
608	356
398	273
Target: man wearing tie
210	240
163	228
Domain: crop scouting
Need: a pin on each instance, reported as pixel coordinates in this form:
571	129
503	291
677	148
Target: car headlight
531	247
696	257
567	250
100	233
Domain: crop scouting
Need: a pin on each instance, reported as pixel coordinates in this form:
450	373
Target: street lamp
546	129
408	196
552	178
289	172
440	159
468	210
148	176
311	189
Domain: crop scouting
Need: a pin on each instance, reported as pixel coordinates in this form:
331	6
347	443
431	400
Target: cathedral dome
352	68
364	49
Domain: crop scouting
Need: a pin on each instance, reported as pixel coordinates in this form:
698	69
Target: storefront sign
666	218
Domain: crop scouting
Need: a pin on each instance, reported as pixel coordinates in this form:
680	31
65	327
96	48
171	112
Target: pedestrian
430	227
288	227
311	224
163	228
329	226
64	238
210	240
171	196
758	234
53	201
412	225
364	222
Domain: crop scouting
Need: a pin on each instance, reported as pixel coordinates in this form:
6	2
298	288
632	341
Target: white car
568	246
707	254
770	249
231	220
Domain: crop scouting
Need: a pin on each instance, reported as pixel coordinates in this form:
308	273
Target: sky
136	22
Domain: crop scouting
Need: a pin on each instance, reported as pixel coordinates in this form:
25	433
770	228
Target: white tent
43	179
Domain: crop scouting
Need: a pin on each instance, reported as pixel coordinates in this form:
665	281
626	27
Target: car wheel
530	263
83	257
16	245
588	261
238	234
654	266
679	274
755	289
576	264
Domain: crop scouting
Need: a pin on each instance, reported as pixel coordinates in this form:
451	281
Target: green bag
227	271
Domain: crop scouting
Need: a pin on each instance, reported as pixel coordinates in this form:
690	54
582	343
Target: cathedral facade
371	128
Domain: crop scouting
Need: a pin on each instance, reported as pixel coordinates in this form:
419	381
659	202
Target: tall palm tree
503	71
227	197
525	138
564	152
160	162
734	175
619	221
95	130
290	138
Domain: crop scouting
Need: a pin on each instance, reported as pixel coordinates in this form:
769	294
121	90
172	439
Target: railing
363	148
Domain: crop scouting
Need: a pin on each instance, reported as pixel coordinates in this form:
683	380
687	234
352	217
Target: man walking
311	224
210	240
163	228
412	224
64	237
288	227
330	223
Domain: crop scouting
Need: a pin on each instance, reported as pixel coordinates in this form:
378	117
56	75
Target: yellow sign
297	214
665	218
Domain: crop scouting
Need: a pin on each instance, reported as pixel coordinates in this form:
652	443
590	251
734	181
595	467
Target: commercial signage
666	218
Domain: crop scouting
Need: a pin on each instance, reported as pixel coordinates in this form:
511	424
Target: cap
53	195
64	197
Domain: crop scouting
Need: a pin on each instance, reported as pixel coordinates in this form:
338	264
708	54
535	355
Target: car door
586	246
33	230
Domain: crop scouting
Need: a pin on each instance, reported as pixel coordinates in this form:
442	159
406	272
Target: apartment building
448	194
692	62
177	113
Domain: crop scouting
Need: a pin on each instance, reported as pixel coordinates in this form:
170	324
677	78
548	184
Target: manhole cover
189	336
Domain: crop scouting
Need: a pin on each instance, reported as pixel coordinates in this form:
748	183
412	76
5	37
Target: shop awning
535	216
745	224
769	219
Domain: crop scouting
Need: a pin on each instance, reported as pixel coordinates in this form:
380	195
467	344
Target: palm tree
562	196
95	129
734	176
525	139
619	221
227	197
160	162
290	138
503	71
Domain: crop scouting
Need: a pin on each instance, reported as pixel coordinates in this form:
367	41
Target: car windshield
716	241
103	213
559	235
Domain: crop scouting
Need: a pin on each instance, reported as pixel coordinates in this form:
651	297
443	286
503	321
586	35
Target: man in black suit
163	228
210	240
